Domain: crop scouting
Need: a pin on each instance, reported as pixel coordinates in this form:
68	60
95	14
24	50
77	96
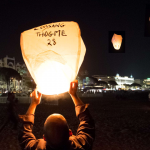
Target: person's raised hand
35	98
73	88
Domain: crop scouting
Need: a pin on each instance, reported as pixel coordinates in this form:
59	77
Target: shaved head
56	131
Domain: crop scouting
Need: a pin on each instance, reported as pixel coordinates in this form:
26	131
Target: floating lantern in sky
116	41
53	54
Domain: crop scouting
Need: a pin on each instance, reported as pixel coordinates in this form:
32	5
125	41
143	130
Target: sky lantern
53	54
116	41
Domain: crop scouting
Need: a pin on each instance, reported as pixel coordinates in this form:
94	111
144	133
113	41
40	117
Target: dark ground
120	124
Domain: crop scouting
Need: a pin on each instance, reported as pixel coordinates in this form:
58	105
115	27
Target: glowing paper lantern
116	41
53	54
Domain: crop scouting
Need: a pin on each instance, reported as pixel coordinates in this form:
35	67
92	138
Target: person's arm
26	138
35	100
73	93
86	130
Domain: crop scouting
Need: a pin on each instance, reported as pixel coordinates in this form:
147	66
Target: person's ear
44	137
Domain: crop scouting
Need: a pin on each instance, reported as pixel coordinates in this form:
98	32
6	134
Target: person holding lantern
57	134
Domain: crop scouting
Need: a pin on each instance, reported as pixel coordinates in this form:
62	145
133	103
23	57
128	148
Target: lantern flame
51	78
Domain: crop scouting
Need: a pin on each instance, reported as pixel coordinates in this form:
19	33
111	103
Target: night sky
96	19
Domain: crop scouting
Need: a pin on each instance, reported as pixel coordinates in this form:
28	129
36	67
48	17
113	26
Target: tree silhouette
8	74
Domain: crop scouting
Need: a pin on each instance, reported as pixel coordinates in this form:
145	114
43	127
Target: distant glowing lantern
53	54
116	41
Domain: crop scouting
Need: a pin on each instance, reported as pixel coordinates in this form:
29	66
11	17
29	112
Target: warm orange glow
116	41
52	77
53	54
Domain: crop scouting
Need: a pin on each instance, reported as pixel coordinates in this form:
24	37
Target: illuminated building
119	80
20	68
123	80
146	83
